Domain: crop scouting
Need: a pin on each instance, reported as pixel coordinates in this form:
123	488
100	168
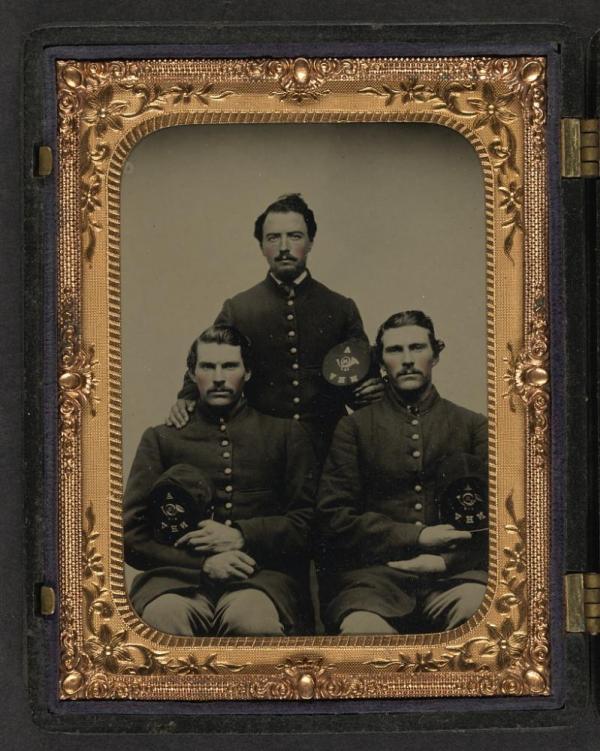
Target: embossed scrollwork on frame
76	380
300	80
528	378
306	677
104	109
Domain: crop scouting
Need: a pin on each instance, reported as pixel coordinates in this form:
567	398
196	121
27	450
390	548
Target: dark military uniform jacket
291	336
377	492
263	470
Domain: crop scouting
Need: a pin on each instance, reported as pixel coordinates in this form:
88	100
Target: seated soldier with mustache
218	514
389	562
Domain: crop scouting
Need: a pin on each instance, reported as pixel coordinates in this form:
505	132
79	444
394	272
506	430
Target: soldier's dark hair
221	334
407	318
283	205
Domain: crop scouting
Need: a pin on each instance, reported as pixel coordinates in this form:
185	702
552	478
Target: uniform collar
297	281
203	412
419	408
298	285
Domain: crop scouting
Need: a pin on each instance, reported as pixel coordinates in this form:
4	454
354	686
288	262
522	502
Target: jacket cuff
409	537
245	526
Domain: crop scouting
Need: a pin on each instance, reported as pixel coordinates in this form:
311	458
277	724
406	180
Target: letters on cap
347	363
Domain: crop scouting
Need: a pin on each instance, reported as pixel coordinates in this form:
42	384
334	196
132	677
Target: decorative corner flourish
531	86
103	96
100	666
491	109
526	79
528	379
507	661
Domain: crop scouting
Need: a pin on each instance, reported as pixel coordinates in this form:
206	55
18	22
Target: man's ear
247	376
440	346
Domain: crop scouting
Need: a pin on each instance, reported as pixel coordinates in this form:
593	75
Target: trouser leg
449	608
247	612
183	615
365	622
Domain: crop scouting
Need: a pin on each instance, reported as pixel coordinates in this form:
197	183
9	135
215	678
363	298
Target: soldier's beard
289	272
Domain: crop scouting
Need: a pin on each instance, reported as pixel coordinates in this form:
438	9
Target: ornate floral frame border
104	109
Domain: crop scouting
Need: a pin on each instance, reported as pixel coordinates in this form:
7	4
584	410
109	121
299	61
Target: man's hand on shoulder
368	392
212	537
441	536
426	563
232	564
180	413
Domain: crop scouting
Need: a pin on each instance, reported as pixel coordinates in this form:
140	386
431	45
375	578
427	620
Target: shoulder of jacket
364	417
250	294
164	432
326	291
169	433
463	412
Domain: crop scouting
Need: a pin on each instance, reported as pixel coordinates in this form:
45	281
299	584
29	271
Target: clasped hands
437	537
223	544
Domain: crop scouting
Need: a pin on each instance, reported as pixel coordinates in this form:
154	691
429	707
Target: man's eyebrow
392	347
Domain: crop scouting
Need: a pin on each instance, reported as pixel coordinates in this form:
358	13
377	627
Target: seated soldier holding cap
402	507
218	514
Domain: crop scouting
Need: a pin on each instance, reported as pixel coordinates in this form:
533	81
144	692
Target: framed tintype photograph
304	378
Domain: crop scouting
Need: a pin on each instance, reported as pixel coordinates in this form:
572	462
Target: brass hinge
582	599
43	167
46	600
580	147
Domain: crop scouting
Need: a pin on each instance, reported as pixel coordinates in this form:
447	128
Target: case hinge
44	161
46	600
582	599
580	147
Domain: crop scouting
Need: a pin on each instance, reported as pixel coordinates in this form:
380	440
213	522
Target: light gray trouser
244	612
441	610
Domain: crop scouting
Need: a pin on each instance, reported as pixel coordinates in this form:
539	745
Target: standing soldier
292	321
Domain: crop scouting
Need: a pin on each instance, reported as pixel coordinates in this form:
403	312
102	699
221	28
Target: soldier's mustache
285	257
411	371
220	391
